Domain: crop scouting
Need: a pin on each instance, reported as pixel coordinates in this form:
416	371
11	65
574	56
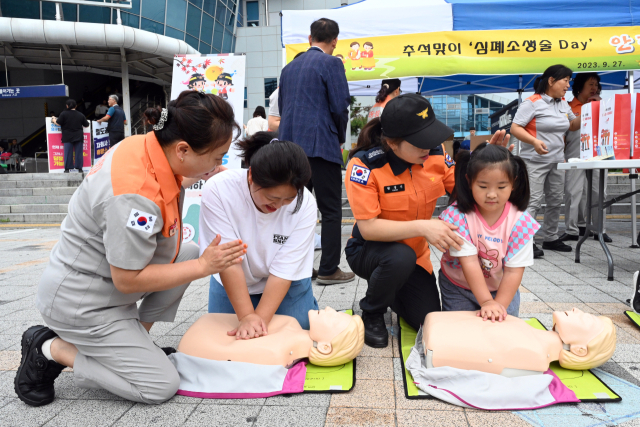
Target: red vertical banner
55	148
622	127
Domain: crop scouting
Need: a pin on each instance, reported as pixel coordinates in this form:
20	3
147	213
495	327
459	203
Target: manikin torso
285	343
462	340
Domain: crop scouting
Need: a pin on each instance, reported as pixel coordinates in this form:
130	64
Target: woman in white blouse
258	123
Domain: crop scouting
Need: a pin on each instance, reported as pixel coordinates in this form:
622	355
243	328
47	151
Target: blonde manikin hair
599	349
344	347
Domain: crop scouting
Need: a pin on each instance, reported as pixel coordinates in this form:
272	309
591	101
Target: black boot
635	298
375	331
605	237
556	245
537	253
34	380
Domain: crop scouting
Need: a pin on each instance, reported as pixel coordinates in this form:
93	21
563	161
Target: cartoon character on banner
354	55
368	63
197	82
223	84
344	62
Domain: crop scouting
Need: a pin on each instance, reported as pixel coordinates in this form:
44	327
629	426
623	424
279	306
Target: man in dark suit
314	110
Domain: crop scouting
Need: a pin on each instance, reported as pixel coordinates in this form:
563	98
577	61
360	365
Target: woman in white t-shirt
258	123
269	208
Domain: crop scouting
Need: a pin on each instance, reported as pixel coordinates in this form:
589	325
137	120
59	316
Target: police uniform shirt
126	213
380	184
280	242
546	119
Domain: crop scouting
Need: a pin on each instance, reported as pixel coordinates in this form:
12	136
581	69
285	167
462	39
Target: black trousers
396	281
71	148
326	180
115	137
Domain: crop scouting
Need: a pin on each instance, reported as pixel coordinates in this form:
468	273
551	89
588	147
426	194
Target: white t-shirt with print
278	243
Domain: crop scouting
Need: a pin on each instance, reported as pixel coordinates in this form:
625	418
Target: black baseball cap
411	118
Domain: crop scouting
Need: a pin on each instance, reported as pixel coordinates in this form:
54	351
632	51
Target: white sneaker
635	298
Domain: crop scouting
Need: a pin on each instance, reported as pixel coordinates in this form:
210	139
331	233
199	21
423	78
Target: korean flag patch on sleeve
448	160
360	174
140	220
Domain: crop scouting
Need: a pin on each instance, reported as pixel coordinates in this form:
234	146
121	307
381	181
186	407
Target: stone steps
37	198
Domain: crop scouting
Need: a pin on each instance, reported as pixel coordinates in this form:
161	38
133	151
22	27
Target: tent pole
519	102
634	229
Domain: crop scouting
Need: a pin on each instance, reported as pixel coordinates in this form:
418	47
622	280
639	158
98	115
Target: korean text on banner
55	148
615	127
442	53
222	75
100	139
589	124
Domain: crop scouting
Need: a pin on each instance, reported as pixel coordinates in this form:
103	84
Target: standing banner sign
615	126
100	139
55	148
635	124
589	127
222	75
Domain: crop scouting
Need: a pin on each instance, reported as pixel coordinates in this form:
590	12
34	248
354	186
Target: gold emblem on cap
424	114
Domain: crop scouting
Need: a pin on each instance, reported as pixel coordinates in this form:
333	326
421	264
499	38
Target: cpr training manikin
465	360
213	364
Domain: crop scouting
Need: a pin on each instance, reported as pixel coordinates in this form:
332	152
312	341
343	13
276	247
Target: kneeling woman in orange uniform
396	174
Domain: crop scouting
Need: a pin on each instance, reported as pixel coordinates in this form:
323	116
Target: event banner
486	52
222	75
55	148
100	139
635	124
615	126
589	127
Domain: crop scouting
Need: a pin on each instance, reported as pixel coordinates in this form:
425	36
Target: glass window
135	7
49	11
226	45
270	85
221	12
210	7
230	20
96	15
217	37
193	20
206	32
245	97
152	27
240	15
173	33
127	19
192	41
70	12
204	48
153	9
177	13
196	2
253	14
20	9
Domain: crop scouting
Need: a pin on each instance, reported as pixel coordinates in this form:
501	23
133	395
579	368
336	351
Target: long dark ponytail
274	162
371	136
388	86
469	164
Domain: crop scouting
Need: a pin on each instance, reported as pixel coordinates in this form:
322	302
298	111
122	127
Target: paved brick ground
555	283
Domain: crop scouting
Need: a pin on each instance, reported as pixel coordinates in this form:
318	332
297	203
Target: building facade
206	25
461	112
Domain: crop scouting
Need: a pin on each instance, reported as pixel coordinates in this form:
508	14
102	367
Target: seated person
513	348
334	338
269	208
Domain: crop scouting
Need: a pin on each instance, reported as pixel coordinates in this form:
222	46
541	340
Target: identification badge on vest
173	228
393	188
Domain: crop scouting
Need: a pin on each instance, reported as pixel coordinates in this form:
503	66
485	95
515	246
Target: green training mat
634	317
330	379
585	384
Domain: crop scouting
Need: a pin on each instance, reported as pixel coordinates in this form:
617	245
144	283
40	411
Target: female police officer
121	243
395	175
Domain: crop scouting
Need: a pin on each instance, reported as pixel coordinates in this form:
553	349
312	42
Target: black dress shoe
635	298
567	236
556	245
537	253
168	350
605	237
34	380
375	331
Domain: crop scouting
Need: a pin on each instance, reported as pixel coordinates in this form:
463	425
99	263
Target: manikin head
591	339
338	337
